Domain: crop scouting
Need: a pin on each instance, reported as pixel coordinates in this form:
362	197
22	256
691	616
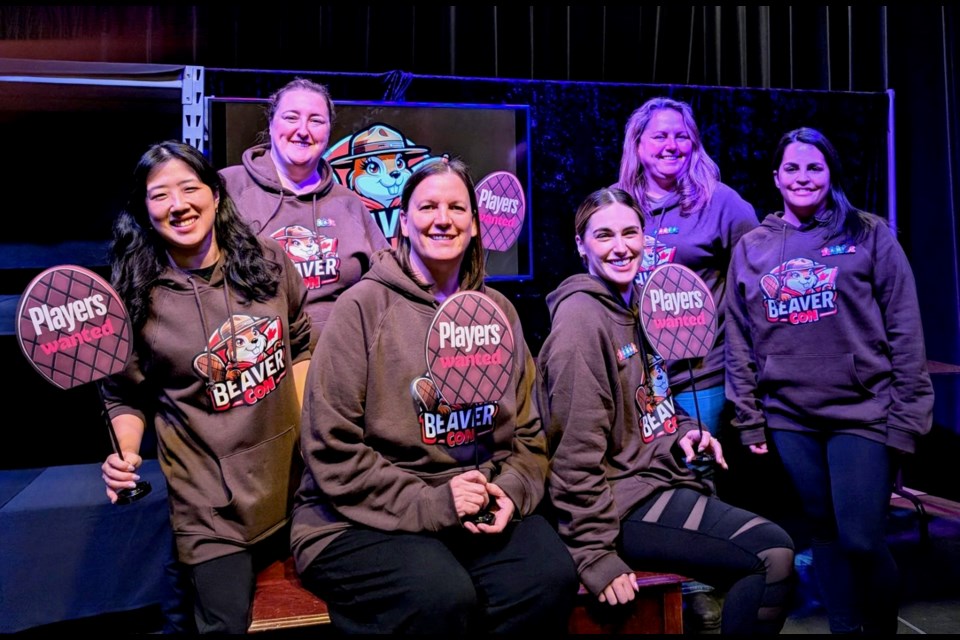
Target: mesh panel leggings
682	531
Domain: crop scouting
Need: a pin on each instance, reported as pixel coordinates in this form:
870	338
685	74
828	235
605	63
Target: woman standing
287	191
623	494
695	220
382	528
825	356
690	218
221	349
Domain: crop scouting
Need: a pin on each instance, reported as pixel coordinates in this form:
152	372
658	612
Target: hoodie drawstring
204	327
783	248
231	346
231	357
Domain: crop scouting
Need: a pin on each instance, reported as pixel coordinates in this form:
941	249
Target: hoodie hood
181	280
775	222
385	269
261	204
263	171
811	231
595	287
665	204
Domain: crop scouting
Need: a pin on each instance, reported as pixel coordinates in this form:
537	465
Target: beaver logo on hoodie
800	291
315	257
243	361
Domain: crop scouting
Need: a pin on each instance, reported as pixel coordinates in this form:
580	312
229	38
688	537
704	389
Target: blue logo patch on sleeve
627	351
838	249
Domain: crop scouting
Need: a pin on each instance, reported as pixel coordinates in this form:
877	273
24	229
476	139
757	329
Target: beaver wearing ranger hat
381	160
238	343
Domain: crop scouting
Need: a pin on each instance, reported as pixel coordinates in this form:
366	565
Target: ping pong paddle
679	317
74	329
469	352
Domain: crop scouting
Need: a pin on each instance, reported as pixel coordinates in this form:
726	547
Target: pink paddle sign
470	349
502	207
678	313
73	327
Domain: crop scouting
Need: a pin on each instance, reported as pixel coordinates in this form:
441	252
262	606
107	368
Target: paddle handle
693	388
114	441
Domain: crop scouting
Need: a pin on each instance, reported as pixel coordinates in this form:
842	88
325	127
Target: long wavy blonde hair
695	186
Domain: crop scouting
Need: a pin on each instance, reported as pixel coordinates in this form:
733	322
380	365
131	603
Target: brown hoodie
216	374
328	233
367	460
606	456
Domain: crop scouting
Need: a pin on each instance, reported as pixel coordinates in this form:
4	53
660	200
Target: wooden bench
282	602
657	608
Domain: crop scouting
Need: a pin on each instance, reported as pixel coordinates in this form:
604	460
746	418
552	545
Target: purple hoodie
328	233
823	333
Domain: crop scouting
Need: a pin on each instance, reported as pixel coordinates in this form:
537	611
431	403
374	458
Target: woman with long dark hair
221	348
825	358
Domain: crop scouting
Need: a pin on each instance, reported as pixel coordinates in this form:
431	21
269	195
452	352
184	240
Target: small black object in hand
702	464
482	517
129	496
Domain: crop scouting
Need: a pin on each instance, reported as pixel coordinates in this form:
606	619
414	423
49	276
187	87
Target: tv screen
375	147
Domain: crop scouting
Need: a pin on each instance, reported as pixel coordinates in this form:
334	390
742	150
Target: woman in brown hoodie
221	345
382	526
624	496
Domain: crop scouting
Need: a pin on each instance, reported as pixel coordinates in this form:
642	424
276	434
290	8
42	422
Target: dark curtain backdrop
910	50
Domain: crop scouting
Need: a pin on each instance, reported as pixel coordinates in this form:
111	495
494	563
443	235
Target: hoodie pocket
825	386
258	482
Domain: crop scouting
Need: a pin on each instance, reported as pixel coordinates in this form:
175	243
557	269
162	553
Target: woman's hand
704	443
501	507
120	473
469	493
759	449
620	590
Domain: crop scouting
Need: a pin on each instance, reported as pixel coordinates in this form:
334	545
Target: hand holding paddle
469	352
73	328
679	317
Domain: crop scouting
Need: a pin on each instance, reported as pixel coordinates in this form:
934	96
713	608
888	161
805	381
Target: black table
66	552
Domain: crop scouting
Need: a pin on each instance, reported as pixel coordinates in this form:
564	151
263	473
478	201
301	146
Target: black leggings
844	482
222	589
683	531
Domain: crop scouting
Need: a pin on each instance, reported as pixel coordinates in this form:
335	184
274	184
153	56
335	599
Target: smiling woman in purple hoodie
287	191
825	357
694	219
690	218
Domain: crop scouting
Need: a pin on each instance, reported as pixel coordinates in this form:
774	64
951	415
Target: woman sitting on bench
386	525
623	494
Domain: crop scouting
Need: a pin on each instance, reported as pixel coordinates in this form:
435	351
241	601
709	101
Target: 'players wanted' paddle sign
470	352
678	313
502	207
470	349
74	329
679	316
